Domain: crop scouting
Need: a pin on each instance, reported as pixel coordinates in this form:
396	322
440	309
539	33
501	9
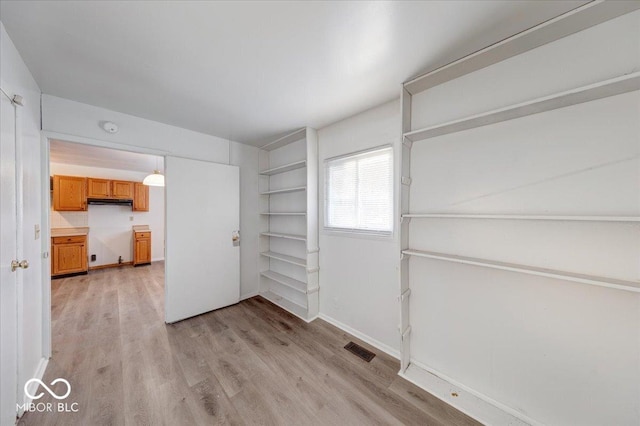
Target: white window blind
359	192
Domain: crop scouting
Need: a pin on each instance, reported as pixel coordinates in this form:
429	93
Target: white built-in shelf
285	190
603	89
285	258
633	286
522	217
286	140
284	213
298	310
285	168
583	17
286	281
286	236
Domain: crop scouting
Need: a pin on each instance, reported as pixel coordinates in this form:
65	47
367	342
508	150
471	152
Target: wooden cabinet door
69	193
140	197
142	251
121	189
69	258
98	188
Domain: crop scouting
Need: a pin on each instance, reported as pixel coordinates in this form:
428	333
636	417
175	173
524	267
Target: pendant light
154	179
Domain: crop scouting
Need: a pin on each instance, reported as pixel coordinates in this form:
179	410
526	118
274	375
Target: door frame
45	232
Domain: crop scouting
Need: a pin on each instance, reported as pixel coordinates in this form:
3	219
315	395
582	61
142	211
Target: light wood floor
251	363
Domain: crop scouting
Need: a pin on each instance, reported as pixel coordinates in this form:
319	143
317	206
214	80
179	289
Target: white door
8	251
202	260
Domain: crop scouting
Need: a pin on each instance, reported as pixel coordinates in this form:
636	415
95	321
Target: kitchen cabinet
69	193
98	188
105	188
69	255
140	197
141	247
122	189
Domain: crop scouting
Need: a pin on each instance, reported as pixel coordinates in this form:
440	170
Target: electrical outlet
130	218
93	257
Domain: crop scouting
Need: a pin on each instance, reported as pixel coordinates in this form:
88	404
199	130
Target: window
359	192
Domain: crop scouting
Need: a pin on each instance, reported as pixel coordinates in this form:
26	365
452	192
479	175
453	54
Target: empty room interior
320	213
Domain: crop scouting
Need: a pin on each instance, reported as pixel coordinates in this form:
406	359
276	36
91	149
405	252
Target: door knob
22	264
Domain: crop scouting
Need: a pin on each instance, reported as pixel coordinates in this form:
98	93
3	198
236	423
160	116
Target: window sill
334	232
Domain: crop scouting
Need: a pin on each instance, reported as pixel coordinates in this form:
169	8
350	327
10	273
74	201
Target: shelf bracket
405	295
314	250
406	142
406	180
313	290
312	270
405	334
405	219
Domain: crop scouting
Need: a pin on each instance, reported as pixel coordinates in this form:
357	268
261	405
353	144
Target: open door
8	270
202	256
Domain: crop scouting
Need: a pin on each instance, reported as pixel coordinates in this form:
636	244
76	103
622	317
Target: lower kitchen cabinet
69	255
141	247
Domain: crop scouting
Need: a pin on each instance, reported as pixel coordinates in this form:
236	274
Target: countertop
69	232
141	228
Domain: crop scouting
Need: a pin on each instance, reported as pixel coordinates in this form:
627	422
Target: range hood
109	202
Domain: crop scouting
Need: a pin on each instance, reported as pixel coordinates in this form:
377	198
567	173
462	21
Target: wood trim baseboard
110	265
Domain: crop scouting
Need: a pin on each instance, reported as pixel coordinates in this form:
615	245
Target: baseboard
370	340
469	401
38	374
249	295
110	265
160	259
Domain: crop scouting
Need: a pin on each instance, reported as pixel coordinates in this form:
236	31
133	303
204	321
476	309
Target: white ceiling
247	71
92	156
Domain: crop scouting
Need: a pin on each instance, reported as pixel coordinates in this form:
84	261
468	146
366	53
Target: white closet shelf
286	304
286	168
522	217
603	89
285	258
578	19
285	190
284	213
286	140
633	286
287	236
286	281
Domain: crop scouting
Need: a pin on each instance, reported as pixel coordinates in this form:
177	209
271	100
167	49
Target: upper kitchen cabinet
122	189
98	188
140	197
69	193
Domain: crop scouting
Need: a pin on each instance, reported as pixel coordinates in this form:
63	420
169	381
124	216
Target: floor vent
359	351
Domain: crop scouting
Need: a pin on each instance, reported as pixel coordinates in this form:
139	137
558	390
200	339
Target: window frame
355	232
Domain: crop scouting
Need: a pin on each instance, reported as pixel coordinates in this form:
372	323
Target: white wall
358	274
77	122
16	79
557	352
110	232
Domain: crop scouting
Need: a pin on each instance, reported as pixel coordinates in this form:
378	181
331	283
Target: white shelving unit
581	18
289	237
592	92
633	286
521	217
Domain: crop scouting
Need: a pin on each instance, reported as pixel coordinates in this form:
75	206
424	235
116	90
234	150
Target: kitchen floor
251	363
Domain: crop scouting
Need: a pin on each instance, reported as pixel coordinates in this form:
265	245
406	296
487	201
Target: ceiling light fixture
110	127
154	179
